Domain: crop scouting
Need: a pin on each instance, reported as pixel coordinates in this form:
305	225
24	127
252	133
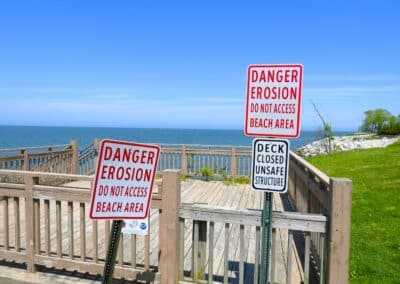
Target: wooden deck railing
48	225
207	224
311	191
53	158
190	158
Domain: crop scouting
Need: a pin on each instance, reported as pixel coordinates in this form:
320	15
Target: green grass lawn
375	228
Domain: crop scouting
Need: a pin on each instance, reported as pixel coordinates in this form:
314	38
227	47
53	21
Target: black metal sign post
266	226
112	251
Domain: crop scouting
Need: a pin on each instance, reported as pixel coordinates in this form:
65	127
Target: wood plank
257	255
96	268
47	226
307	259
82	234
226	253
17	225
59	230
289	258
210	252
181	248
13	256
70	230
339	231
5	224
121	251
29	223
95	241
36	206
273	255
133	251
242	255
288	220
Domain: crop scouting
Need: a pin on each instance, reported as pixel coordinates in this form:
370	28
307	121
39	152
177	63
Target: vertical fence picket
47	226
36	206
5	223
59	228
226	253
82	233
17	225
95	241
70	230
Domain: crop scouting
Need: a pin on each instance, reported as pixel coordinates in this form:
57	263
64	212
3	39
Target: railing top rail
322	177
285	220
33	147
45	174
185	144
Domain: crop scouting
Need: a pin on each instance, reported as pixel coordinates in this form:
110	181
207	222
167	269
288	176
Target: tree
375	119
326	128
391	127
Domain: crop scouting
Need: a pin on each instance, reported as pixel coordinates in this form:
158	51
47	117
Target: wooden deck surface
193	191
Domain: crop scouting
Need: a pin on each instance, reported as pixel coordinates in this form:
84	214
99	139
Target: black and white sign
270	165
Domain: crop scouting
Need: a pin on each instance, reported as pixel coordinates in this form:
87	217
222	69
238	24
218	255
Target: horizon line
155	128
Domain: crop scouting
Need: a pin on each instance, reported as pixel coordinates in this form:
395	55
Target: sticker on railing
124	180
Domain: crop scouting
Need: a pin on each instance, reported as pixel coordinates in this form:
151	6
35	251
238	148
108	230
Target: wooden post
199	241
96	143
233	162
75	157
339	230
184	161
30	222
26	160
169	231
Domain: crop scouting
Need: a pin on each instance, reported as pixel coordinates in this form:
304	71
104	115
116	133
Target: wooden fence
54	158
48	225
190	159
212	229
311	191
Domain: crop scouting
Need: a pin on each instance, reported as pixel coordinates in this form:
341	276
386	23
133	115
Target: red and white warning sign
124	180
273	100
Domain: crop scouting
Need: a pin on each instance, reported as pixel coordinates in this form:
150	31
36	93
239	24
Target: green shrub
237	180
381	121
207	173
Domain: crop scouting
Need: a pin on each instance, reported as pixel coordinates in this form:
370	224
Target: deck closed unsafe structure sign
273	100
124	180
270	161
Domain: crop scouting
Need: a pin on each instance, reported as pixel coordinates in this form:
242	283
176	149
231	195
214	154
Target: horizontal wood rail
212	228
312	191
48	225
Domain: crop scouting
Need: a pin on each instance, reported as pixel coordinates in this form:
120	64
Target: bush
381	121
207	173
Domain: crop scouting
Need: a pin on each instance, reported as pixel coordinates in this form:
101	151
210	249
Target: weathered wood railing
54	158
190	158
311	191
43	225
212	227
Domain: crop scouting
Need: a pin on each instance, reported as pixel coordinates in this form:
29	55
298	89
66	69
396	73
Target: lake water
24	136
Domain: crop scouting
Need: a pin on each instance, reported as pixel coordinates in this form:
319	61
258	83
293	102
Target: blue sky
182	64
